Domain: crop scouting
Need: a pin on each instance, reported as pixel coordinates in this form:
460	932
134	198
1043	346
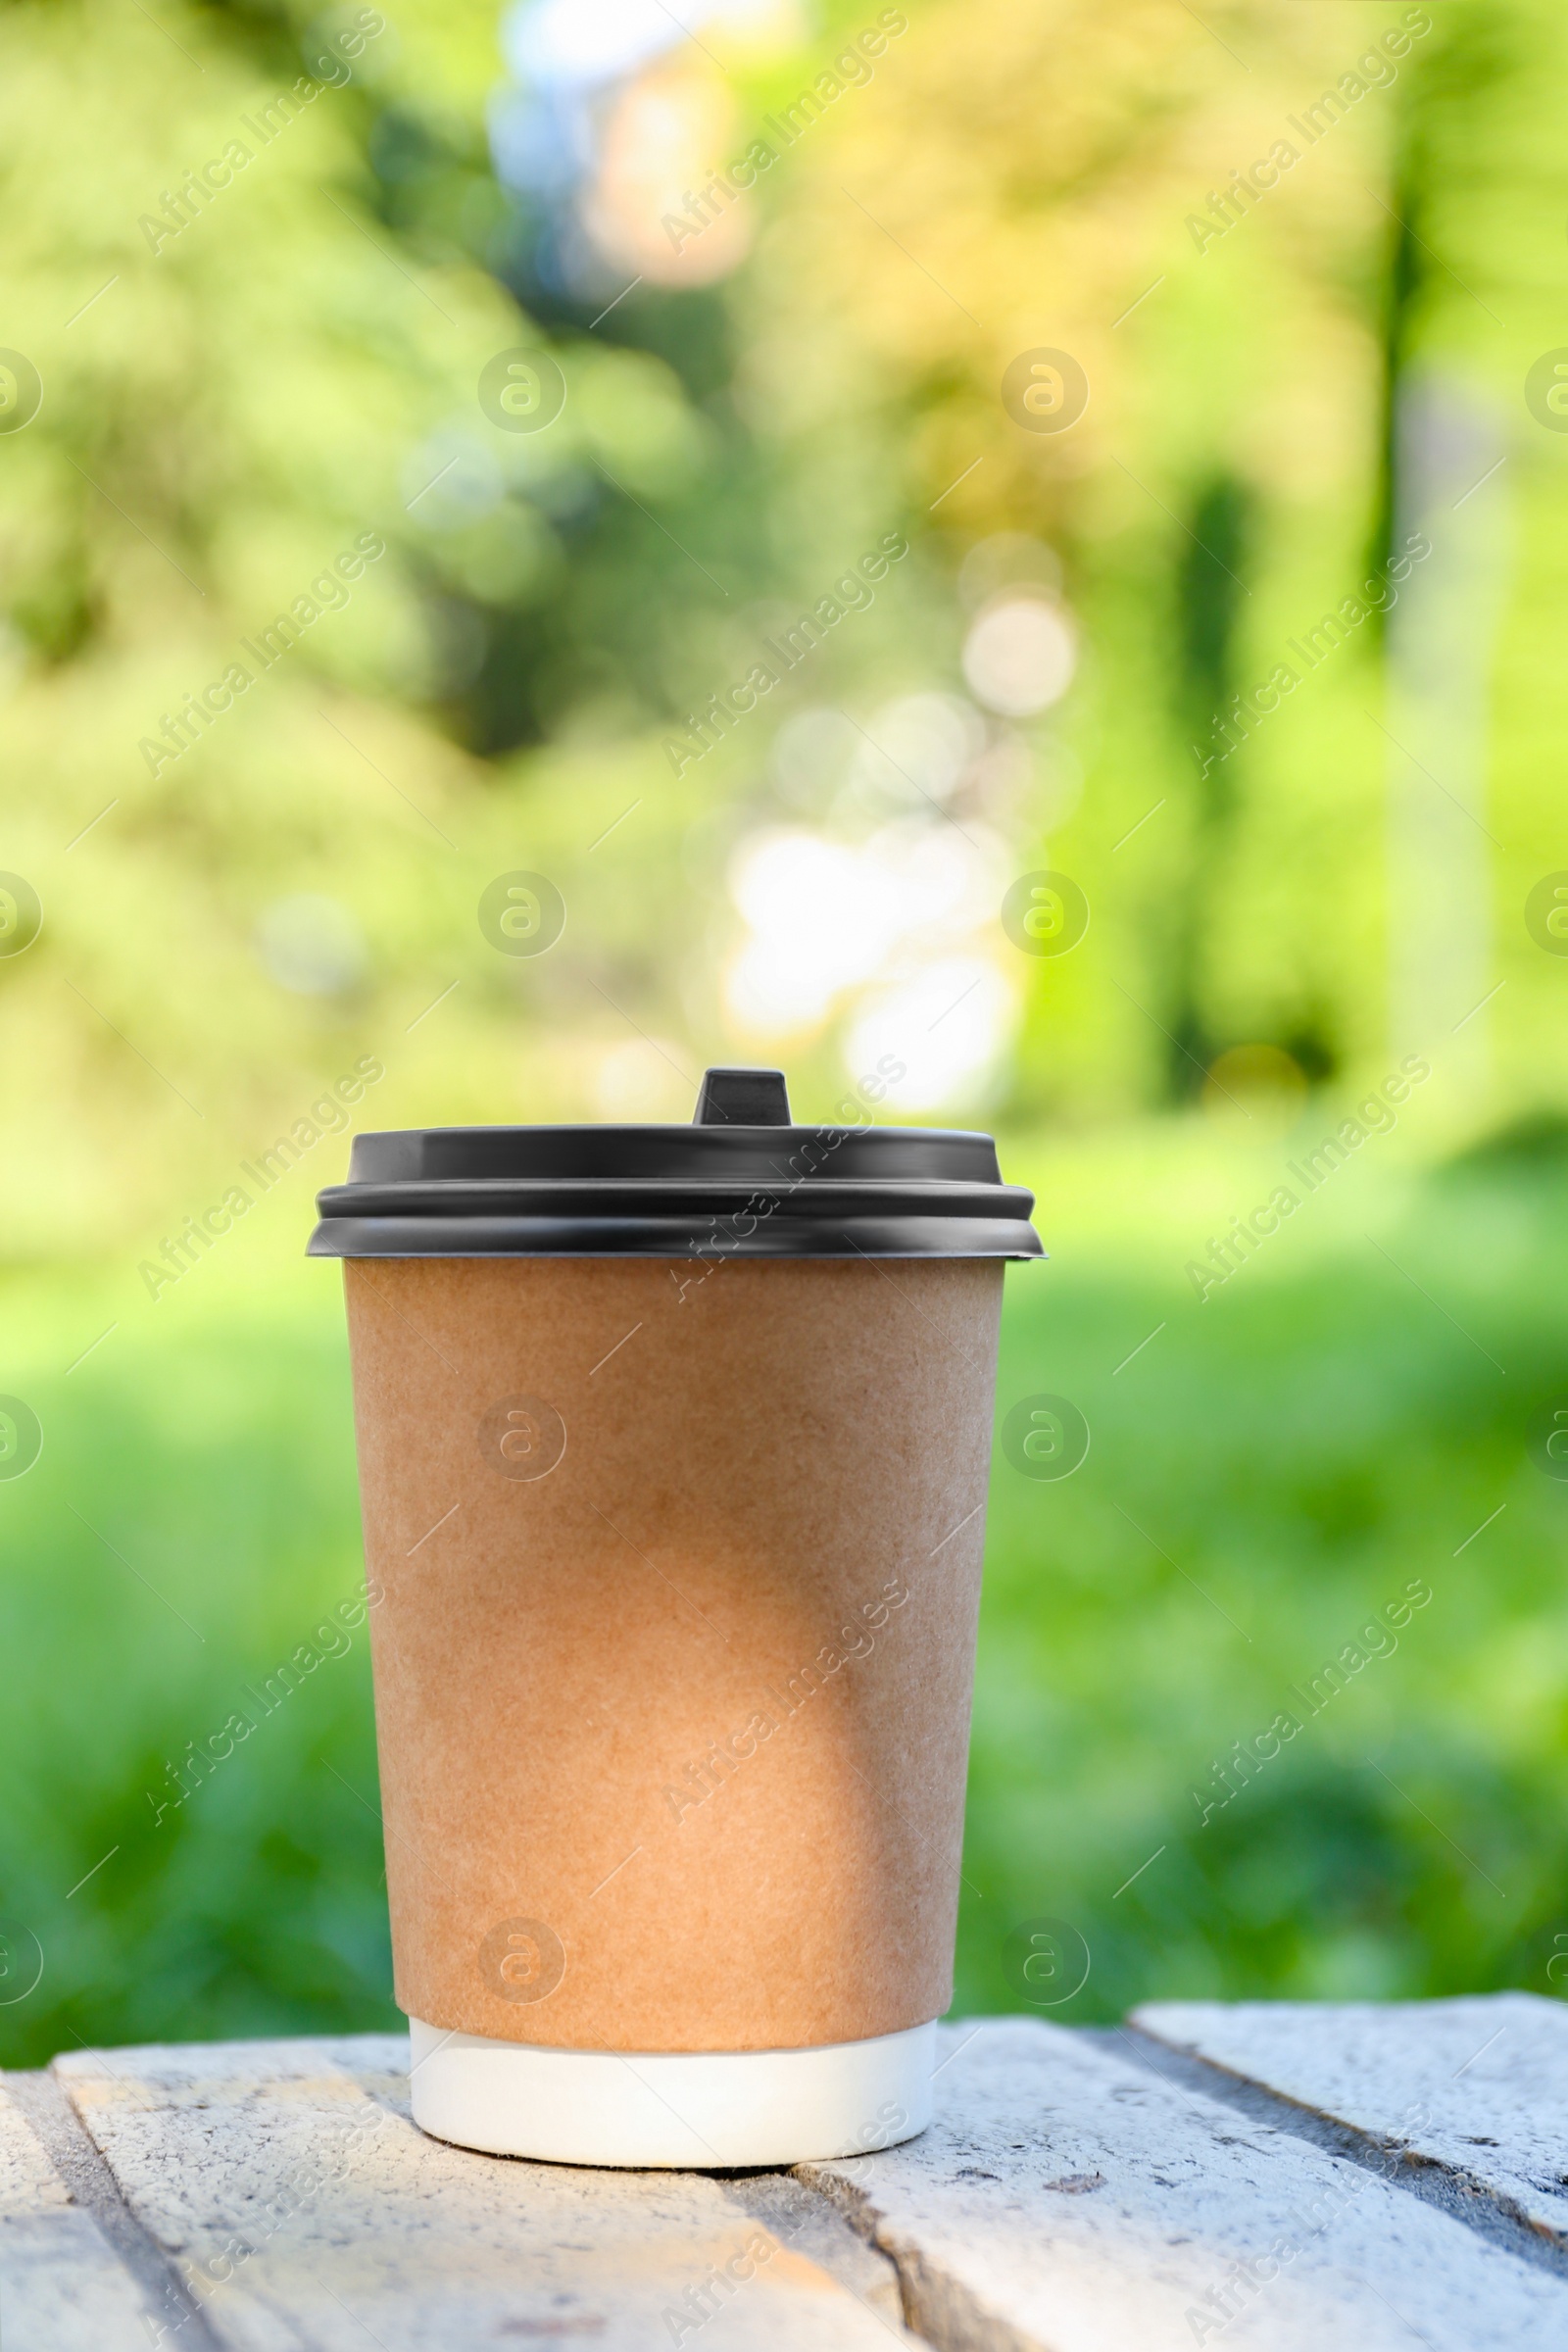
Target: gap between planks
1487	2213
80	2165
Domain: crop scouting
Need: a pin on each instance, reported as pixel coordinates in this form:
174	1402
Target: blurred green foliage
1272	1471
226	409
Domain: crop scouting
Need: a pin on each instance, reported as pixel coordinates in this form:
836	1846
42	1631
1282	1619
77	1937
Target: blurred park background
1205	366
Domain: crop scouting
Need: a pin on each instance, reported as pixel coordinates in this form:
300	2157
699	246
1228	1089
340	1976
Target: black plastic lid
741	1180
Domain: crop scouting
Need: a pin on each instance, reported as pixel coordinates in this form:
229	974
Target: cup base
685	2110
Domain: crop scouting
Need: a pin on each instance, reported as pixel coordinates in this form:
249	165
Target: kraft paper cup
674	1565
673	1652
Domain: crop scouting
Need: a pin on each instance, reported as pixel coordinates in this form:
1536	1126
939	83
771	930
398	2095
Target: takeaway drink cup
673	1445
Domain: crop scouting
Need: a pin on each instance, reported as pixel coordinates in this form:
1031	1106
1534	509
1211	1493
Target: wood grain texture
303	2209
1477	2085
1070	2200
63	2289
1077	2192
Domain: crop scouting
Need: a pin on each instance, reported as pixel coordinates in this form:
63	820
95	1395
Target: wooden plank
1068	2200
62	2286
302	2207
28	2181
1477	2085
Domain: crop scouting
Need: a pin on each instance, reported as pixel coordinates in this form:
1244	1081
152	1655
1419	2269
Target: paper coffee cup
674	1560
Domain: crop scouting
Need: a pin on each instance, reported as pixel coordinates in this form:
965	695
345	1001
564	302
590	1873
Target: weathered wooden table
1266	2174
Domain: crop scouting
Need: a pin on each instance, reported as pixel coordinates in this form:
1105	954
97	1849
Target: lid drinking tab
743	1098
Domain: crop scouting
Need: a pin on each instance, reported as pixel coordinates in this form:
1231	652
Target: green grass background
1274	1463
